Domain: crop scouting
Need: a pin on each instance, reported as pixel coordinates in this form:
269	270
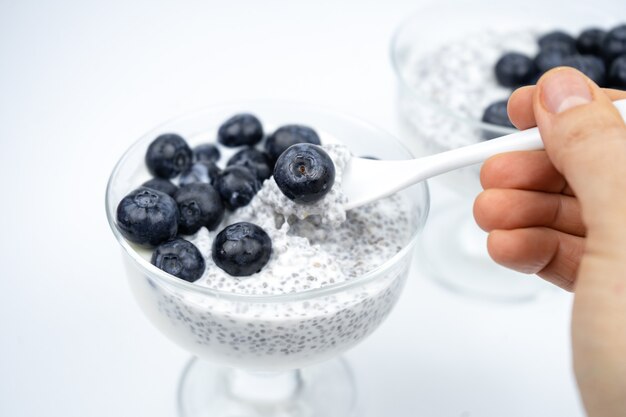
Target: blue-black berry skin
240	130
304	173
589	42
168	155
237	186
592	66
199	204
255	160
557	41
159	184
617	73
180	258
206	152
496	114
147	217
289	135
546	60
514	70
242	249
614	43
203	172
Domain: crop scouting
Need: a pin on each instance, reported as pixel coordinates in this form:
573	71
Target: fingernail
564	89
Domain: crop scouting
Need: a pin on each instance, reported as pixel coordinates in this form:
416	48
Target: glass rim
171	280
404	84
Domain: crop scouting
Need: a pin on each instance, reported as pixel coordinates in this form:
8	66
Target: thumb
585	138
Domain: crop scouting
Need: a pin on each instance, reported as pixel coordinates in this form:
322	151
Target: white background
81	80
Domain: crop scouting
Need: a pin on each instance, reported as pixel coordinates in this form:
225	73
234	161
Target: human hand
561	213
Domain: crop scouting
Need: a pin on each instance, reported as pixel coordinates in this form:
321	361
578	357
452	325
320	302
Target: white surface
80	80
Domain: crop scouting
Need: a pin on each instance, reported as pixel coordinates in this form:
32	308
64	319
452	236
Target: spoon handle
525	140
366	180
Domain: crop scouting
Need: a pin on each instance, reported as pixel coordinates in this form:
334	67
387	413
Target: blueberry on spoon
304	173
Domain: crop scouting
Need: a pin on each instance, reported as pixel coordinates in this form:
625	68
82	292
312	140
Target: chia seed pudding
270	320
445	90
458	78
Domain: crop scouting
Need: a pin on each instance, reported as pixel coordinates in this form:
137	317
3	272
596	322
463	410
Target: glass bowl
268	339
444	57
435	115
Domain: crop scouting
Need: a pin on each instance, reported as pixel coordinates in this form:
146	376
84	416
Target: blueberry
241	129
546	60
589	41
200	172
535	78
206	152
256	161
288	135
592	66
237	186
304	173
199	205
168	155
180	258
147	217
496	114
614	43
514	70
159	184
617	73
242	249
557	41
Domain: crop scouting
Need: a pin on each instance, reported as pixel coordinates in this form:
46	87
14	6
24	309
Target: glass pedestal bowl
273	355
444	58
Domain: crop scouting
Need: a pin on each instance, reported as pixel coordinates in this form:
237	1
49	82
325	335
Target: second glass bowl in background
444	58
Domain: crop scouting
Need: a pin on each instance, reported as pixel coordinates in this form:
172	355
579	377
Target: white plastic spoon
366	180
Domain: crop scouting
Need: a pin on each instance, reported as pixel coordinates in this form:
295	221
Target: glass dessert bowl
275	353
445	77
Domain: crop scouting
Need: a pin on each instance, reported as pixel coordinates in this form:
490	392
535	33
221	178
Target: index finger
523	170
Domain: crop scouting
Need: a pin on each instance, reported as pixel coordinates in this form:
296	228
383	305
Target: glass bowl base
210	390
454	251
